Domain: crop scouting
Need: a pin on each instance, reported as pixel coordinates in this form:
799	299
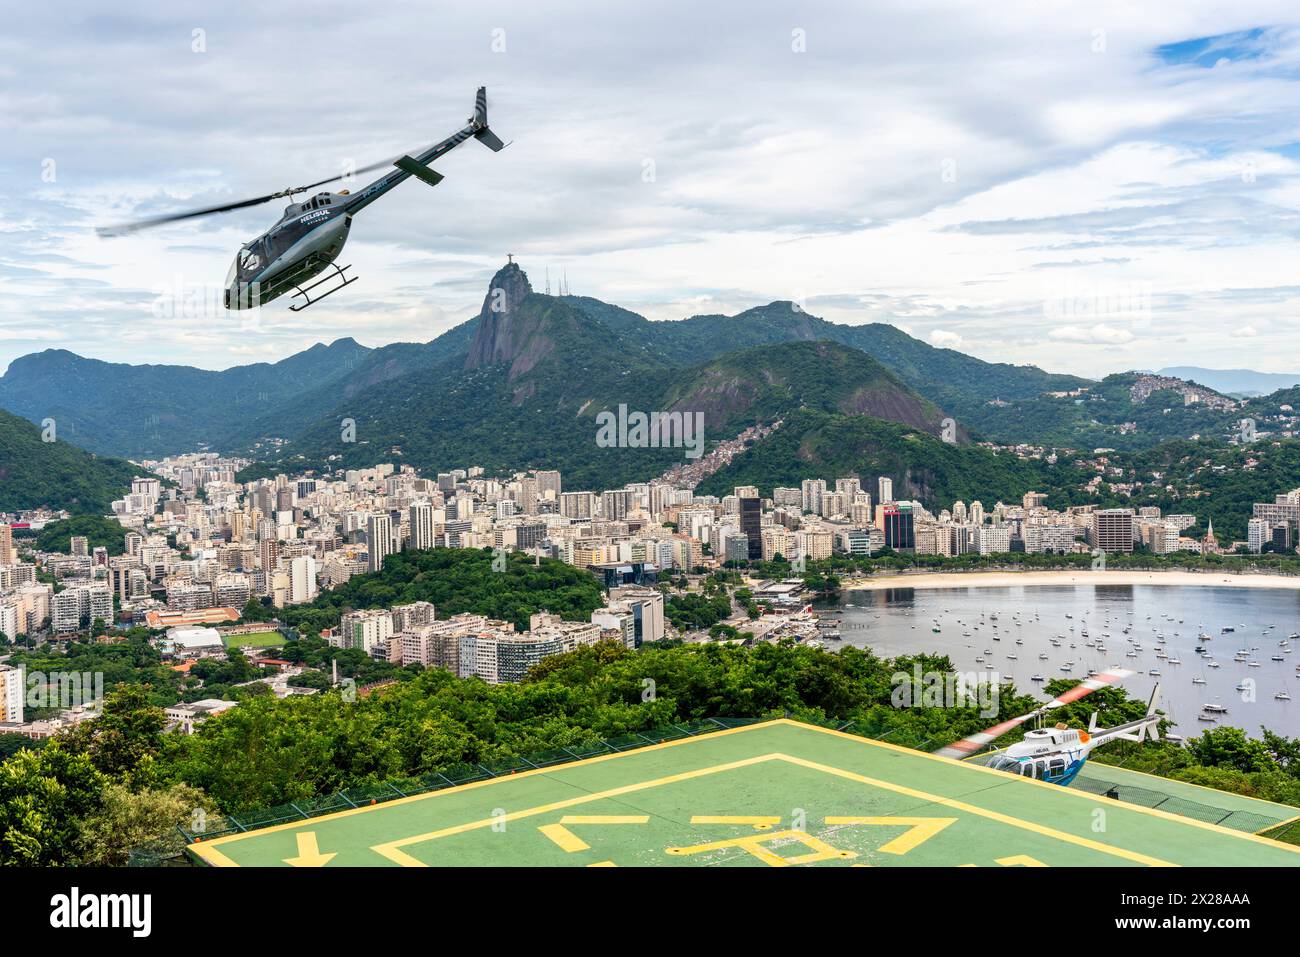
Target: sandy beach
1030	578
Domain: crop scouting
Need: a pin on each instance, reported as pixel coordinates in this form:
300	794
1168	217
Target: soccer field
777	793
258	639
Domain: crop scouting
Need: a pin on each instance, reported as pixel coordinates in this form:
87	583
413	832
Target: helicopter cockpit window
1004	763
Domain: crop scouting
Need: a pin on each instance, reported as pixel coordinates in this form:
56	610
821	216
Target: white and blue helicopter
1057	755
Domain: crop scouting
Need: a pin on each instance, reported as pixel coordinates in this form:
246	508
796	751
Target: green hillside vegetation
1092	420
459	580
762	384
1268	404
939	374
504	417
99	531
56	475
146	411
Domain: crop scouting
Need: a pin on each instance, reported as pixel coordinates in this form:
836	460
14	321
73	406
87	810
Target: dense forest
38	474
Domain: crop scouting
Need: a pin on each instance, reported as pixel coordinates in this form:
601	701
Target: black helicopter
310	235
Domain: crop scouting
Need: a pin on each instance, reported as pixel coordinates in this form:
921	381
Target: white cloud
1100	333
1244	332
945	339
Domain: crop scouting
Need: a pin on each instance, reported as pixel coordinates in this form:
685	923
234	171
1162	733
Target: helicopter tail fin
1153	729
481	131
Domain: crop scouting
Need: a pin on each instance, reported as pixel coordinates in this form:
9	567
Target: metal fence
1146	797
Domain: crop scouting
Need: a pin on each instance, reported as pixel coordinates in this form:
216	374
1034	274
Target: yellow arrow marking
309	854
570	842
922	829
1020	860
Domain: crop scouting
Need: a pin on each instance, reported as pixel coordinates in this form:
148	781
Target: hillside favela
648	474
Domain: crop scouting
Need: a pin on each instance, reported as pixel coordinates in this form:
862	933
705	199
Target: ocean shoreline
1006	579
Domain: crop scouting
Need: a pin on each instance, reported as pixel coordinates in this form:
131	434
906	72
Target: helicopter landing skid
339	275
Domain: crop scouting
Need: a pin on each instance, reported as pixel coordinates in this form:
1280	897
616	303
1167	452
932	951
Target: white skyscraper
886	489
302	579
812	491
11	694
422	525
379	540
1257	534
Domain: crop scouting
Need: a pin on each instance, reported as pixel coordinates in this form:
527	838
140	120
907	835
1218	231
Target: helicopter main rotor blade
124	228
974	742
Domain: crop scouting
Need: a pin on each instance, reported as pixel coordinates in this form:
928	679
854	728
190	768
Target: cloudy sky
1088	187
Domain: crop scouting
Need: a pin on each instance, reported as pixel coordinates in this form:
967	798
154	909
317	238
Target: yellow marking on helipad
309	854
758	822
393	849
570	842
756	844
920	829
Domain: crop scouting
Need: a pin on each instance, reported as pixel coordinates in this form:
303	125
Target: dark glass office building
900	530
751	525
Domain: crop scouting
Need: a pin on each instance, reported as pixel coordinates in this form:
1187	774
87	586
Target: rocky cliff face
504	333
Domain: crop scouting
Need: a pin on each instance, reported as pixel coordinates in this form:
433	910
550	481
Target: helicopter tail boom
1144	728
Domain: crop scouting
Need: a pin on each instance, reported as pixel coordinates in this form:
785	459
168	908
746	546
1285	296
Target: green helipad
777	793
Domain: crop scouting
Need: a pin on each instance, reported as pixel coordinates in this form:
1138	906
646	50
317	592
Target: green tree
127	819
125	739
45	796
1230	748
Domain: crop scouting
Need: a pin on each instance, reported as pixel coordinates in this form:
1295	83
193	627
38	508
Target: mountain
1115	413
524	392
537	373
1266	405
961	384
1242	382
152	410
767	382
34	473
